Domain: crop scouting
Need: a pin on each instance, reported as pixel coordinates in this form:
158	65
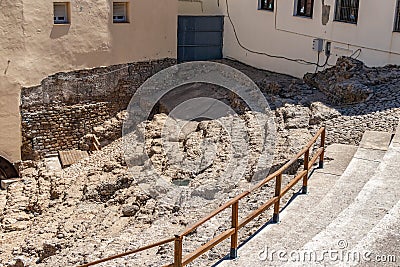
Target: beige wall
200	7
32	47
10	133
281	33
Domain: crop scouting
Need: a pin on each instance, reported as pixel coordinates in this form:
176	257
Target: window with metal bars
347	11
266	4
397	19
305	8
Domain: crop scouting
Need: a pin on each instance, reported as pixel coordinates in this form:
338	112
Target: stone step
375	140
396	138
5	183
383	240
309	214
52	163
378	196
331	191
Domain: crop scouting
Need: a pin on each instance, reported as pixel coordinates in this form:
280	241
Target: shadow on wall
59	30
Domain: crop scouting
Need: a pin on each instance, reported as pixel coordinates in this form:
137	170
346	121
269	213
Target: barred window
347	11
397	20
266	4
304	8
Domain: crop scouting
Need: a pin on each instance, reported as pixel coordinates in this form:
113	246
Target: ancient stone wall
66	106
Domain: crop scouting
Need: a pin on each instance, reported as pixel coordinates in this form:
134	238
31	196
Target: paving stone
376	140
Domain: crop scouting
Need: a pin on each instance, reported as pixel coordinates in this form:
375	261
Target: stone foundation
67	106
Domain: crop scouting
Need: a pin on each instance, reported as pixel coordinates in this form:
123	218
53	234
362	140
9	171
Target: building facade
40	38
291	36
282	35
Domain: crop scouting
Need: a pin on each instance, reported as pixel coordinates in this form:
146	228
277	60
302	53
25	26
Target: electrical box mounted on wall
318	45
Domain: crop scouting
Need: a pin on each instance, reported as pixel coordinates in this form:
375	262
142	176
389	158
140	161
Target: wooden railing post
278	187
305	178
321	157
178	251
235	225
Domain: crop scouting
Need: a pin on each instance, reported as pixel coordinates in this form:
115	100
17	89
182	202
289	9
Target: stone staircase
352	208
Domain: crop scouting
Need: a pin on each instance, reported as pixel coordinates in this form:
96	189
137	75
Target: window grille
397	19
347	11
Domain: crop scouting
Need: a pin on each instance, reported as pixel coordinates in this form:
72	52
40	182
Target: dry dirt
99	206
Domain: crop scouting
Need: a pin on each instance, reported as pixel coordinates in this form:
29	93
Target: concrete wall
32	47
283	34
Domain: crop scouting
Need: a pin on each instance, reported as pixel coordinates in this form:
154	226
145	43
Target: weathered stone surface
294	116
49	249
342	82
321	113
67	106
81	208
130	210
18	262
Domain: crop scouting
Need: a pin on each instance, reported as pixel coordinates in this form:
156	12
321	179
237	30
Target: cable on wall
355	52
300	61
359	50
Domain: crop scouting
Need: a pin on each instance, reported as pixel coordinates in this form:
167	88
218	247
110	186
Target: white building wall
281	33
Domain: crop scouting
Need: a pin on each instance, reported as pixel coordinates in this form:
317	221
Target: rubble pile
350	81
101	206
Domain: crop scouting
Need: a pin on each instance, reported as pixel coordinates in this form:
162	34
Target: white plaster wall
281	33
200	7
10	132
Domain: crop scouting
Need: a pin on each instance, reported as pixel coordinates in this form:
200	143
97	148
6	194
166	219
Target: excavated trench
196	92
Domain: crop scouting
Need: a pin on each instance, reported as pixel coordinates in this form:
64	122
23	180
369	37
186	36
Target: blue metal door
200	37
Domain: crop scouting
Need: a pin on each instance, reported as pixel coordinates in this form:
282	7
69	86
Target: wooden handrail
315	157
293	182
282	169
235	226
232	232
257	212
214	213
209	245
129	252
